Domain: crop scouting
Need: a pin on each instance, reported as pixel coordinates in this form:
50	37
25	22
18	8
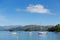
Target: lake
34	35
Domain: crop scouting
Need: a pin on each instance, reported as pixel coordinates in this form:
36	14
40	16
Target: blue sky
27	12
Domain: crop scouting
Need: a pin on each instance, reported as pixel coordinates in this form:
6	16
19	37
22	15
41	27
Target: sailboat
42	33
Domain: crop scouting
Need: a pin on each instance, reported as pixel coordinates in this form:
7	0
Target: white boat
13	32
42	33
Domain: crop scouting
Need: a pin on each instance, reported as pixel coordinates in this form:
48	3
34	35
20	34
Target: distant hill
35	28
6	28
24	28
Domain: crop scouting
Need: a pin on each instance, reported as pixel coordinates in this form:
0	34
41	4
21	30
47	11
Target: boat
42	33
13	32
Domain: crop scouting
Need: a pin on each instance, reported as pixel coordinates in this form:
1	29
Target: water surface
22	35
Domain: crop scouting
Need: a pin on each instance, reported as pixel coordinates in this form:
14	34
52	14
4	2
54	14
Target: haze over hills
30	28
21	28
8	27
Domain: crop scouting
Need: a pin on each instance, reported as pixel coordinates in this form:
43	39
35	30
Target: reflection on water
34	35
42	35
30	33
15	34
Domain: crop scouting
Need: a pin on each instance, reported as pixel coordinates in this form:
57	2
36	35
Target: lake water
21	35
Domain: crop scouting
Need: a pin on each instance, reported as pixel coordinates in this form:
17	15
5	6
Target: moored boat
42	33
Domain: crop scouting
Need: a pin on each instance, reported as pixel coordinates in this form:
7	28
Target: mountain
6	28
24	28
35	28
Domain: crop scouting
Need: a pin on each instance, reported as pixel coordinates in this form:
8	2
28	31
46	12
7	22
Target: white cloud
37	9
